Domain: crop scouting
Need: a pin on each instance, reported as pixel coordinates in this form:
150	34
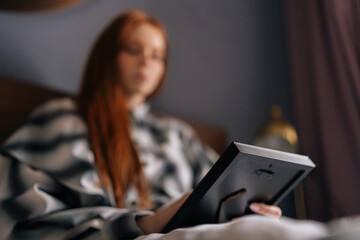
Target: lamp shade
36	5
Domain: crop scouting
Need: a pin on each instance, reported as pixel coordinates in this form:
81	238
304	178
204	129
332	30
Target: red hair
102	103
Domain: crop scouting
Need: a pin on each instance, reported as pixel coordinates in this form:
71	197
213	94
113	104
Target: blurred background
230	62
227	58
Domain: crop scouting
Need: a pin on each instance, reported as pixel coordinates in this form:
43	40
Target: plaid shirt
50	188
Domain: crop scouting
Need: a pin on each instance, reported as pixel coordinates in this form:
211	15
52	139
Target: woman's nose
145	57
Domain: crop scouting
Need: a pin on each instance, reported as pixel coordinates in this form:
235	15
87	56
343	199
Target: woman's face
141	62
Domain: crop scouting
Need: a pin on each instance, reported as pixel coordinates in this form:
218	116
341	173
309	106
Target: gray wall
227	63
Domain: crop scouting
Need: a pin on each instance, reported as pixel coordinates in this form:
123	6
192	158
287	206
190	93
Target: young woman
95	165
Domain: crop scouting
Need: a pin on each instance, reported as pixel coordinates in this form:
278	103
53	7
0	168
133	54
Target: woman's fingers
267	210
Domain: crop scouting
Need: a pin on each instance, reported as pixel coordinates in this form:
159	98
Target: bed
18	98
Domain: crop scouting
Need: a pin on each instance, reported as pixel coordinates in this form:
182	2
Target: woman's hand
267	210
156	222
263	209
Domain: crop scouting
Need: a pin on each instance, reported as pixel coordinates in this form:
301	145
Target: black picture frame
243	174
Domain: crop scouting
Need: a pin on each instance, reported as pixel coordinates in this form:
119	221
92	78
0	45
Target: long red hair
102	103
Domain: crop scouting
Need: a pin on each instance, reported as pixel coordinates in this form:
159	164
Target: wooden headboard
18	99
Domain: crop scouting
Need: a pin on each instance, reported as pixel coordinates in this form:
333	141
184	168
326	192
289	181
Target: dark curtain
324	51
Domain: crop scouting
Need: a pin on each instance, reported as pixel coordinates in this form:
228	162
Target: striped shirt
49	187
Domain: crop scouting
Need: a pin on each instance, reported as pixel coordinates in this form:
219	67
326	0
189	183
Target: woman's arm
35	205
156	222
50	187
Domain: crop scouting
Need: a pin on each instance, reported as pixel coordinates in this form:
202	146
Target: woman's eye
132	50
136	51
157	57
